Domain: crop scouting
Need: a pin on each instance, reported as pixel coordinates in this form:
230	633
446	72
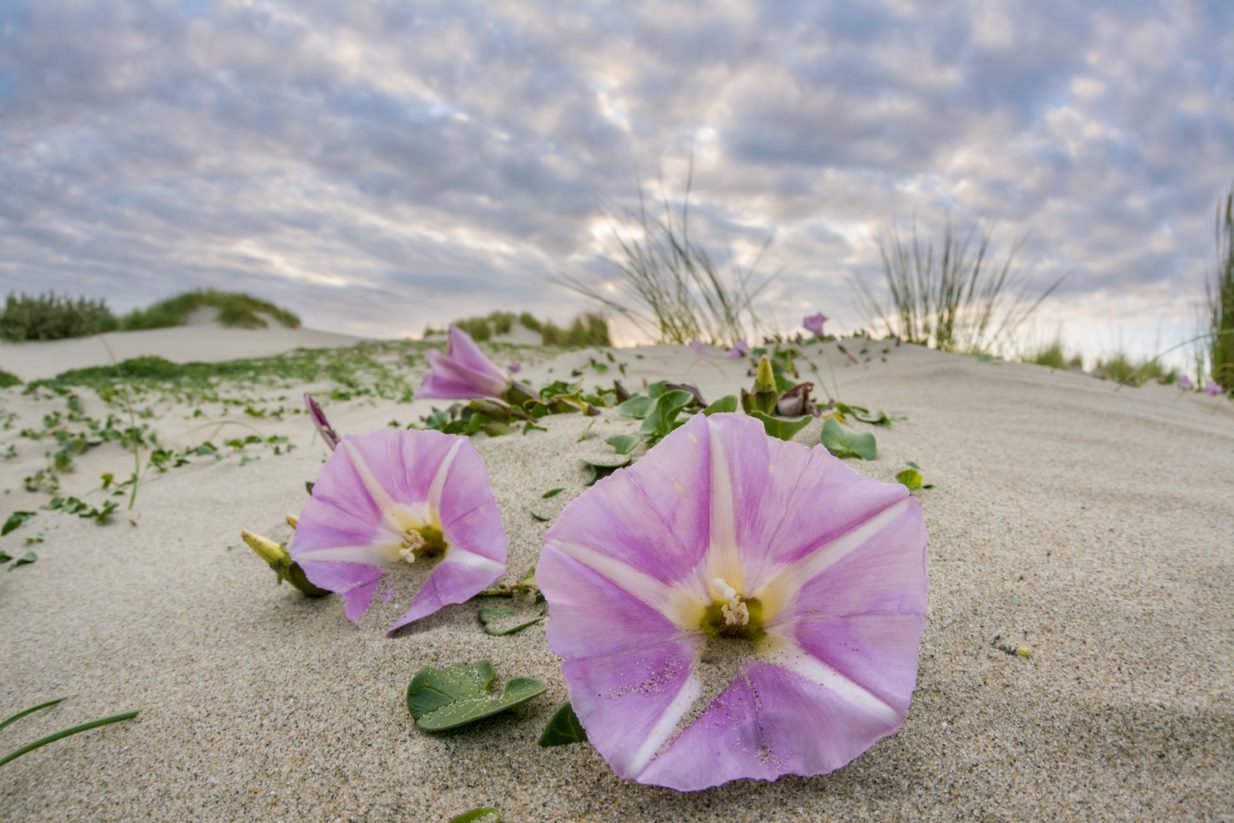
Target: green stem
31	710
52	738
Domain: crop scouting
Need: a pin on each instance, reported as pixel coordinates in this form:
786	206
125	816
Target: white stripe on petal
786	580
462	557
375	554
439	479
381	497
723	558
665	726
789	655
677	603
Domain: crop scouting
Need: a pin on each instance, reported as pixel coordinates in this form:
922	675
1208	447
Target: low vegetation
587	329
53	317
234	309
56	317
1056	356
1132	372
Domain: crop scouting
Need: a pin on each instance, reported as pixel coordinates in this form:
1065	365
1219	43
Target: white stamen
734	608
412	540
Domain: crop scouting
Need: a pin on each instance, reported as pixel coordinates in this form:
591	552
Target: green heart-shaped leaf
727	403
441	699
624	443
637	406
843	442
662	416
497	622
563	729
782	427
599	471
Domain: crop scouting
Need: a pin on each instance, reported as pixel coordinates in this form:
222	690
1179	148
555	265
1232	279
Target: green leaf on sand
910	477
25	560
727	404
496	620
844	442
488	815
599	471
552	492
441	699
563	729
636	407
624	443
662	416
782	427
15	520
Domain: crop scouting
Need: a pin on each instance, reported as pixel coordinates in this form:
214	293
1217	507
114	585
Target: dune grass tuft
1056	356
52	316
235	309
1129	371
952	295
1220	294
674	291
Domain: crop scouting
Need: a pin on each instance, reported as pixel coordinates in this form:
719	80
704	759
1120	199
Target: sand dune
206	342
1086	521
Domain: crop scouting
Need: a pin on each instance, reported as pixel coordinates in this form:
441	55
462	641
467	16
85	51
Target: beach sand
1088	522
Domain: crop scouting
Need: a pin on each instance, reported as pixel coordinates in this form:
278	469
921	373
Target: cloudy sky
379	166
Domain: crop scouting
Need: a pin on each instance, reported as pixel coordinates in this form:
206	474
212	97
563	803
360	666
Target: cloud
380	167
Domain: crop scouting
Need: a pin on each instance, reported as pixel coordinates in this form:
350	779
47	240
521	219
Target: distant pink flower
319	419
1184	382
740	349
814	324
1212	388
395	497
735	606
700	348
463	372
515	367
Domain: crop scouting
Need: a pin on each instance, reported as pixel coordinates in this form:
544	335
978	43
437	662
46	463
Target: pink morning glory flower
1212	388
736	606
392	498
1184	382
463	372
740	349
814	323
700	348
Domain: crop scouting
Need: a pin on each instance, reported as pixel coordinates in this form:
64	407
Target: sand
201	341
1088	522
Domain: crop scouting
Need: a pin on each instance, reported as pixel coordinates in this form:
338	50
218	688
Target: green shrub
528	321
1122	369
1055	357
8	379
234	309
53	317
587	329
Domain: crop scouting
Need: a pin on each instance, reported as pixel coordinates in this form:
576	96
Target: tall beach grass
951	294
671	288
1220	293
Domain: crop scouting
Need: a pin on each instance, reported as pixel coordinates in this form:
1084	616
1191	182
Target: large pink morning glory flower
735	606
394	497
463	372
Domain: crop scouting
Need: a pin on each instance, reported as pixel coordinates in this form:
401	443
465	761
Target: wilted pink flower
319	419
814	324
515	367
1184	382
740	349
734	606
395	497
463	372
1212	388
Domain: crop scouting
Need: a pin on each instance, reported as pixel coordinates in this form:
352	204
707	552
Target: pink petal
769	722
463	372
